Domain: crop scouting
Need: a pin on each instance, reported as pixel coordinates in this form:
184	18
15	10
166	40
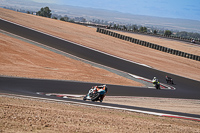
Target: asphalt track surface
29	87
185	88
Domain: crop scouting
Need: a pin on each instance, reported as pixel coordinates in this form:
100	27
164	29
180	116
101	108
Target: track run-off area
184	88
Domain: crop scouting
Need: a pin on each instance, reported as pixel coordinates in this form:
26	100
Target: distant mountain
107	15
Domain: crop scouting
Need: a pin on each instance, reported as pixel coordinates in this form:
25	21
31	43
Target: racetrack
185	88
51	111
31	87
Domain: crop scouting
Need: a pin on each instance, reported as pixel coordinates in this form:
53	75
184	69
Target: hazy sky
187	9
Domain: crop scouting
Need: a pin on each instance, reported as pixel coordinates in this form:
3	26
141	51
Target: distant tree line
185	34
46	12
143	29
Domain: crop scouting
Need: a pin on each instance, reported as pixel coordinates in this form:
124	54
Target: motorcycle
157	85
169	80
95	94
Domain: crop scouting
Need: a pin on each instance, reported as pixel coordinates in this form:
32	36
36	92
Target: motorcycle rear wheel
158	87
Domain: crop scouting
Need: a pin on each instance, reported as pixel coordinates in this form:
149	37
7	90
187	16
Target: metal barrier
150	45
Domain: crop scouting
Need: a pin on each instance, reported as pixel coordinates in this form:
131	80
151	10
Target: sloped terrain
89	37
23	115
25	60
22	59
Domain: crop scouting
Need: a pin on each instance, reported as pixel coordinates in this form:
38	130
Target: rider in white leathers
154	81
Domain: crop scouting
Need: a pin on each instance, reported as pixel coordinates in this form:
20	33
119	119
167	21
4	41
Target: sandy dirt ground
89	37
23	115
21	59
171	104
189	106
25	60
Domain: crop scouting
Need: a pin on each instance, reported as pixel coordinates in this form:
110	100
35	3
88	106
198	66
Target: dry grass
21	115
21	59
89	37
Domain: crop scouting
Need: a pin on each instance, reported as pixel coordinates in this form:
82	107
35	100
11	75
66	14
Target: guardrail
150	45
197	41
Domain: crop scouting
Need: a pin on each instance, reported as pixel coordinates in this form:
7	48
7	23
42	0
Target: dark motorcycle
169	80
157	85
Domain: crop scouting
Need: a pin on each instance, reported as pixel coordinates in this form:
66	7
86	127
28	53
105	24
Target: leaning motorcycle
95	95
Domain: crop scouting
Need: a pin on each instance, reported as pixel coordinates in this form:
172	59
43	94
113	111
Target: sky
185	9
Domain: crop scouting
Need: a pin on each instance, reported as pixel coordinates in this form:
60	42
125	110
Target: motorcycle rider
97	88
154	81
105	88
169	80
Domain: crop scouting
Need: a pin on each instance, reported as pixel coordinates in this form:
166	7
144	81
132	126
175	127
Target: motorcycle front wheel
84	98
